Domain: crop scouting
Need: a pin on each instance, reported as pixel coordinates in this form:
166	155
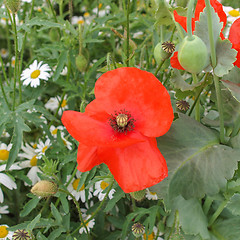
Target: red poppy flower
119	128
183	22
234	38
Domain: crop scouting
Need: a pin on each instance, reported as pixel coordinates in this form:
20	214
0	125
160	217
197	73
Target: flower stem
197	95
218	212
3	70
3	92
128	33
207	204
159	67
189	18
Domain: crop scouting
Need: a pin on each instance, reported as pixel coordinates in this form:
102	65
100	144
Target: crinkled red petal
234	34
138	92
92	132
136	167
175	63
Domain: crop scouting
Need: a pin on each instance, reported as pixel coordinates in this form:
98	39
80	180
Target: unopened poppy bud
81	63
22	234
13	5
138	229
163	51
139	195
44	188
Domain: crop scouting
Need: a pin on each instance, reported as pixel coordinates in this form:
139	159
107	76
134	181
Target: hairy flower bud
81	63
139	195
44	188
13	5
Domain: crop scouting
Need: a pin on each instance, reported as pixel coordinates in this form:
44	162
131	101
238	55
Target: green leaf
201	27
234	204
25	106
228	229
56	213
62	60
55	233
17	137
64	202
33	223
117	196
226	56
191	217
197	163
162	15
234	88
29	206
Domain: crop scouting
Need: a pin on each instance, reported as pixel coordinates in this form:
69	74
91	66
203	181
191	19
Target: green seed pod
193	54
44	188
139	195
13	5
163	51
81	63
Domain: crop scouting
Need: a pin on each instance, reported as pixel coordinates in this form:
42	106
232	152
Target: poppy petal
234	34
136	167
92	132
140	93
175	63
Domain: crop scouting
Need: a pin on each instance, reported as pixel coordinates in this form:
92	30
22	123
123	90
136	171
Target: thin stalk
218	212
197	108
3	92
189	18
128	33
80	38
4	72
207	204
98	208
16	64
159	67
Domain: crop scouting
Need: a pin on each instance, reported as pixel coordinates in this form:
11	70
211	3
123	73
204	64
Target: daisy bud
13	5
22	234
81	63
139	195
44	188
138	229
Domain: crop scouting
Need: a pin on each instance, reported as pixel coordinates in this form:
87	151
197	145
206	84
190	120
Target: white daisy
232	14
5	134
42	147
54	130
4	233
34	73
6	180
89	225
4	52
77	20
100	186
151	195
103	12
4	151
30	154
4	210
81	193
53	103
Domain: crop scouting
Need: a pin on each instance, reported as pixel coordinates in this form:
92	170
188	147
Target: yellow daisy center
152	193
54	132
3	51
33	161
99	5
86	14
39	9
44	149
3	231
34	145
150	237
104	185
80	21
4	154
13	62
35	73
64	103
64	142
75	185
234	13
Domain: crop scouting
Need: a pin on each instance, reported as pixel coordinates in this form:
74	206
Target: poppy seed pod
193	54
163	51
22	234
44	188
138	229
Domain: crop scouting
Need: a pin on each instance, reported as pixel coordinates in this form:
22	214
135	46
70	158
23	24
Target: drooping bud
139	195
13	5
44	188
81	62
138	229
22	234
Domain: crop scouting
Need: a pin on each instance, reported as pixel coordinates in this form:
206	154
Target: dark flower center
122	121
